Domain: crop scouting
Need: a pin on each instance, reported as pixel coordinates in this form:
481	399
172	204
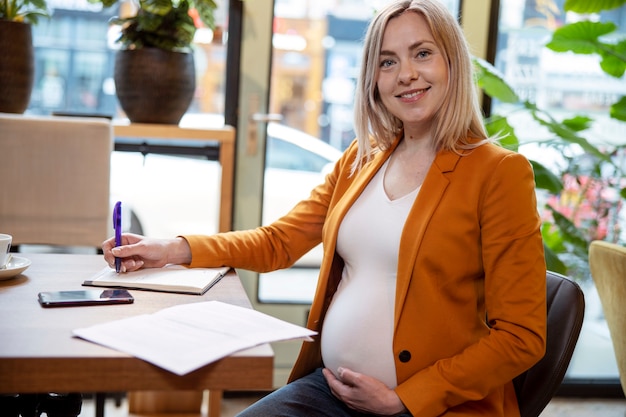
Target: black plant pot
154	85
17	66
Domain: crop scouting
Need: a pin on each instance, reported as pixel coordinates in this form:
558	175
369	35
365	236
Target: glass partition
75	55
565	85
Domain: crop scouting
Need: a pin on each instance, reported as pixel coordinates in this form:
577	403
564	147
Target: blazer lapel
428	198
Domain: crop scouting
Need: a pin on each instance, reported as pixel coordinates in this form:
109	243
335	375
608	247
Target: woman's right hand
139	252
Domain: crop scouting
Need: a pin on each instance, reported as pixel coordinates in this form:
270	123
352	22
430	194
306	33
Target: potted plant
154	69
17	66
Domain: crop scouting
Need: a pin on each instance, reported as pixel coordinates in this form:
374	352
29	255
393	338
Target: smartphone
84	297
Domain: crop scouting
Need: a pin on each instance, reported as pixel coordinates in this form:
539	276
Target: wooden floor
235	402
572	407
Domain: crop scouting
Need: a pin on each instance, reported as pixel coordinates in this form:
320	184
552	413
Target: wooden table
39	354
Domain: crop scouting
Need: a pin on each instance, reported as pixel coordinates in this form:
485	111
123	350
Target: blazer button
404	356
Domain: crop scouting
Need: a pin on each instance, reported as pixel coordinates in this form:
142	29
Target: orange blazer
470	311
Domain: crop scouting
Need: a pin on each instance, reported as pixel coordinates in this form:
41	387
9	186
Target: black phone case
76	298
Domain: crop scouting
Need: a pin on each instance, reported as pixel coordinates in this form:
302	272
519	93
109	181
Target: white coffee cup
5	247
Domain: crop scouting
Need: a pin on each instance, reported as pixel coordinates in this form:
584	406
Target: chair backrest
566	308
55	179
607	262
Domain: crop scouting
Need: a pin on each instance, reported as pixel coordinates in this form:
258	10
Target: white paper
184	338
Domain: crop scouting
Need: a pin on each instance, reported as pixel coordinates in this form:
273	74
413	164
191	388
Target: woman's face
412	75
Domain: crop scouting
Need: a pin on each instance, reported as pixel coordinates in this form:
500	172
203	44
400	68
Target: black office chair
566	308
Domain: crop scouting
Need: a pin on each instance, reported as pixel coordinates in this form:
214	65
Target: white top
358	327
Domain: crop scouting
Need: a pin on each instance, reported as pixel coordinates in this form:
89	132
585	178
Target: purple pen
117	226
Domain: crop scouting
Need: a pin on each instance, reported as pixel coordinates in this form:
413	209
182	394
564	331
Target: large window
564	85
73	63
75	57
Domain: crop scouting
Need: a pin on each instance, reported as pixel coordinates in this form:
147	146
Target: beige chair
55	179
607	262
56	182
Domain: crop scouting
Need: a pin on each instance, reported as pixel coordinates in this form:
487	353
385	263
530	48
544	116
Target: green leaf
553	263
39	4
580	37
498	126
587	6
156	7
545	179
612	65
488	78
564	132
613	58
618	110
578	123
568	230
206	11
105	3
27	11
551	237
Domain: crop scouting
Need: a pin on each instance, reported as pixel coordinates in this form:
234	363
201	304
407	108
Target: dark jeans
33	405
309	396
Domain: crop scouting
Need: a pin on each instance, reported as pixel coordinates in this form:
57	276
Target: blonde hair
458	125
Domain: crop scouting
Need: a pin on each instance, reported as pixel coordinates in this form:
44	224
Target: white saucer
16	266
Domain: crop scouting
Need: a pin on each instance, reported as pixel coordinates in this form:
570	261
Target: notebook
170	278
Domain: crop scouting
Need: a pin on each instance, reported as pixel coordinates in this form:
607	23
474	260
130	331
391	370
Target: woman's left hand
364	393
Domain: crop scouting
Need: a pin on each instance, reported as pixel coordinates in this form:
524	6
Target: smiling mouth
413	94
